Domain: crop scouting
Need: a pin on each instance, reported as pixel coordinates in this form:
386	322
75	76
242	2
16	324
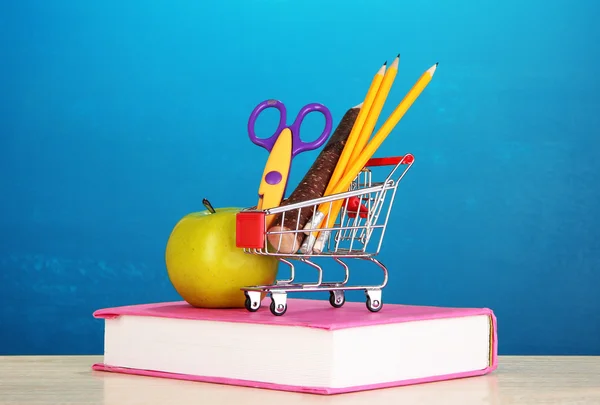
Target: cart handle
390	161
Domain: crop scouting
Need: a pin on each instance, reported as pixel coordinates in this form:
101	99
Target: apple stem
208	206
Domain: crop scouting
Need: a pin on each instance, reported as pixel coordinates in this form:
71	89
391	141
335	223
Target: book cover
304	313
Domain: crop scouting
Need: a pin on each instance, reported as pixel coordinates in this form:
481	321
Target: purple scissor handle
298	145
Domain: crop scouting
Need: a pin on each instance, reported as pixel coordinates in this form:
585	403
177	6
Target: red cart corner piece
250	229
391	161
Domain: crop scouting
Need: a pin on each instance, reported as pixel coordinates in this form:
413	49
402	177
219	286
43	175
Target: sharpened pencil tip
385	63
432	69
436	63
397	56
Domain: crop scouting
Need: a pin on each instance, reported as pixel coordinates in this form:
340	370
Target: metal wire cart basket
357	233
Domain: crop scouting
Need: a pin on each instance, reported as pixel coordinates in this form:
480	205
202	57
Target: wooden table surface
518	380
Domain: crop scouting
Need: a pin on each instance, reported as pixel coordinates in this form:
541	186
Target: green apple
204	265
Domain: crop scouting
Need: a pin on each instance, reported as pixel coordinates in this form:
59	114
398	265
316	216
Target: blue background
117	118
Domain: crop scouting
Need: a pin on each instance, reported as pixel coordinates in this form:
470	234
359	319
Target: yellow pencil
375	111
356	129
356	166
385	129
363	133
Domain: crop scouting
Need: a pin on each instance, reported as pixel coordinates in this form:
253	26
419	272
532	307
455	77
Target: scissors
283	146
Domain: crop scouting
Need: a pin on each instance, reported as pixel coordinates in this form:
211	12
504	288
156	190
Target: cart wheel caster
337	298
374	303
278	304
252	302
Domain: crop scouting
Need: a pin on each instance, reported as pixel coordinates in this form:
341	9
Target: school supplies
356	128
376	95
354	186
386	128
220	343
313	350
327	214
358	238
312	186
353	150
283	145
375	110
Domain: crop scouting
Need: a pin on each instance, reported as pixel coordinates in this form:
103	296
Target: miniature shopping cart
357	233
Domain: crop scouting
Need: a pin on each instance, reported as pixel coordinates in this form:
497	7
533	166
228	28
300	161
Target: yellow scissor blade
275	174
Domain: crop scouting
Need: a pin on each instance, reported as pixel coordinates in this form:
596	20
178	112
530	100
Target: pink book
313	348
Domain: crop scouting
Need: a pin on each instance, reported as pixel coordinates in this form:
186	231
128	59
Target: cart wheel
251	306
277	310
337	298
374	305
